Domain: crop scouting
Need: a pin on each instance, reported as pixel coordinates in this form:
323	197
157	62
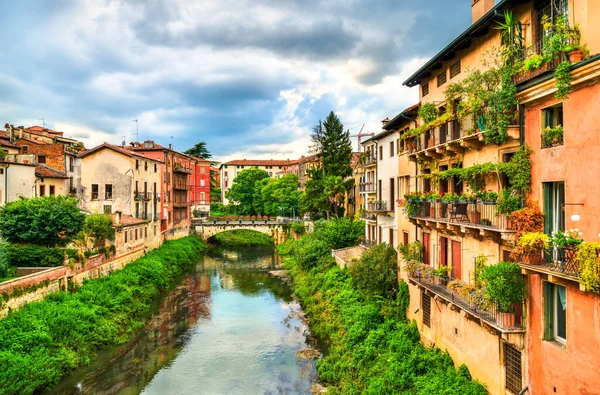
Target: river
229	326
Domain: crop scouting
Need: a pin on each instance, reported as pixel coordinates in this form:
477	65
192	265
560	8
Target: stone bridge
207	229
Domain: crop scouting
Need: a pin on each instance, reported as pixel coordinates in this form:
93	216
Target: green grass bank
45	341
241	237
373	348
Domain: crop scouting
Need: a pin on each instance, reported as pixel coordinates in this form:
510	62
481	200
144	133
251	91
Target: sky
250	78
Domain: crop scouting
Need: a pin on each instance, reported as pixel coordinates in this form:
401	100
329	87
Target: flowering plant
567	239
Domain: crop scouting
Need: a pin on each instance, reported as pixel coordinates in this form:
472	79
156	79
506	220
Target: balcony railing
368	243
369	160
478	214
368	216
180	204
556	260
536	49
379	206
447	133
180	169
472	303
367	187
143	195
180	185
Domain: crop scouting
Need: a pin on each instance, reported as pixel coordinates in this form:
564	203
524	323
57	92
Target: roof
256	162
36	129
46	172
407	114
32	141
115	148
477	29
128	220
354	160
6	143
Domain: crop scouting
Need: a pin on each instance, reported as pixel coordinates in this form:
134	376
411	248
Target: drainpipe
6	183
524	390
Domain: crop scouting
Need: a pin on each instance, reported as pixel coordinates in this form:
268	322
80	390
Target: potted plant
507	204
489	197
449	197
505	287
552	137
532	245
485	222
462	199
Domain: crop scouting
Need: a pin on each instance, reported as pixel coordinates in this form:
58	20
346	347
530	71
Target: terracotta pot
431	212
506	320
575	55
475	217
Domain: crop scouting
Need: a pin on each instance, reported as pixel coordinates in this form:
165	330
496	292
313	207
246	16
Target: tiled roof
32	141
354	160
46	172
115	148
128	220
39	130
6	143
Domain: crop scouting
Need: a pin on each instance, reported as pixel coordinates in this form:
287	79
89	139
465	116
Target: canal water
230	326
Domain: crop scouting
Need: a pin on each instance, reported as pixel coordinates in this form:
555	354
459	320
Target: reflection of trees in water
247	257
128	370
253	283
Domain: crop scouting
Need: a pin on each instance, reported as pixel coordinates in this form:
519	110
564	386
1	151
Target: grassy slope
46	340
242	237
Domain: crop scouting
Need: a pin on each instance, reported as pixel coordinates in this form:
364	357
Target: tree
340	232
47	221
242	189
333	146
314	199
99	228
199	151
281	193
376	272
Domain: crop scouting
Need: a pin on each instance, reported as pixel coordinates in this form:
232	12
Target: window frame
108	196
442	81
97	192
425	89
453	69
551	300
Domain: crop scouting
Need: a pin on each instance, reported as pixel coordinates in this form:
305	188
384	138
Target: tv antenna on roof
43	122
137	132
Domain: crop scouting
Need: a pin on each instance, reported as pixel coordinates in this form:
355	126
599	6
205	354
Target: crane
360	134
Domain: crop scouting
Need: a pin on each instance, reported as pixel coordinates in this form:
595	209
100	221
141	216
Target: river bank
44	341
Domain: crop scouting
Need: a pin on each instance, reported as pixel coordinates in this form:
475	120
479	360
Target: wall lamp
574	217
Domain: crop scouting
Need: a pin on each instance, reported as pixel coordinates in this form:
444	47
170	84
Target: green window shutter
547	294
548	220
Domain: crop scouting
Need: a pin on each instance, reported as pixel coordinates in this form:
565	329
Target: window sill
557	344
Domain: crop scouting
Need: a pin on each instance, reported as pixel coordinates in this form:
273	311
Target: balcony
177	168
471	304
367	216
157	196
379	206
180	185
142	195
367	187
369	160
180	204
475	218
558	261
368	243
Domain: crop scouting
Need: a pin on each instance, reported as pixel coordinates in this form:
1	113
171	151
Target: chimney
11	134
148	144
170	146
118	217
479	8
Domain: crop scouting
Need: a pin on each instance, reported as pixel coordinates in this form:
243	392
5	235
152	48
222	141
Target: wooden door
426	248
456	260
443	251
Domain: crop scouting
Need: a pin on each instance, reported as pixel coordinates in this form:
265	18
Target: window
71	164
555	312
392	190
107	209
554	200
391	236
1	171
455	69
552	122
42	190
226	174
136	234
441	78
202	195
125	236
52	190
108	191
145	166
155	167
405	237
41	158
137	189
94	191
202	170
137	164
426	307
391	148
425	89
202	182
512	367
154	230
381	153
271	174
145	233
25	148
137	210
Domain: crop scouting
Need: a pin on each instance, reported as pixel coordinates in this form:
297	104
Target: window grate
426	305
512	366
455	69
441	78
425	89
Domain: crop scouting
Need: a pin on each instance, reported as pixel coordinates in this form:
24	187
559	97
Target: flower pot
475	217
506	320
575	55
432	212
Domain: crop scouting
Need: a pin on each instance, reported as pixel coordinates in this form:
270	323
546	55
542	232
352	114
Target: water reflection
229	327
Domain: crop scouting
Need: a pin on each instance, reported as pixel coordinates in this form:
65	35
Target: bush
376	272
310	251
504	285
4	261
298	228
99	228
44	341
340	232
34	255
49	220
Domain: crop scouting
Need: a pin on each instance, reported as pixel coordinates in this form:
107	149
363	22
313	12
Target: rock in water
308	353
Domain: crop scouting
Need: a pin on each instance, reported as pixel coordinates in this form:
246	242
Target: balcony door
554	200
456	260
426	248
443	251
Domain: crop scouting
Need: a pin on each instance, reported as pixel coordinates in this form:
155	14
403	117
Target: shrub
46	340
504	285
340	232
589	265
411	255
310	251
298	228
376	272
34	255
4	261
99	227
48	220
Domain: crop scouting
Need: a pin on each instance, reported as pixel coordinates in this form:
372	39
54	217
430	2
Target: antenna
171	142
43	122
124	143
137	132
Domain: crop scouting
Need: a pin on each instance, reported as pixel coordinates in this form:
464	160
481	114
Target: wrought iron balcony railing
379	206
474	214
556	260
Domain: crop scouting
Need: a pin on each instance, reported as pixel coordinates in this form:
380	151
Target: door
426	248
391	235
443	251
554	200
392	190
456	260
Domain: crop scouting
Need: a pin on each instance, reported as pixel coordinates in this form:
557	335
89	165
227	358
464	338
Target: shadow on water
227	327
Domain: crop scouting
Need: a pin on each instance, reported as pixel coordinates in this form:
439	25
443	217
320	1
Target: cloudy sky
248	77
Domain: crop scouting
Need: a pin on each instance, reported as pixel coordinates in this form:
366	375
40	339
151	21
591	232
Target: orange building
543	346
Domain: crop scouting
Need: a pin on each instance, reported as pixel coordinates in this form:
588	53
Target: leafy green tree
314	199
48	220
258	202
340	232
376	272
199	151
99	228
242	189
281	193
311	251
333	146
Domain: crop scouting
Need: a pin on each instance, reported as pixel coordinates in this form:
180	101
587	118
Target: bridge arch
207	229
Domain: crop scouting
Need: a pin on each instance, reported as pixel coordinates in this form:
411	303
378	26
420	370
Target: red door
443	251
456	260
426	248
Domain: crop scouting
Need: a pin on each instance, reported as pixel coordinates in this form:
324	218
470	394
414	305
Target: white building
230	170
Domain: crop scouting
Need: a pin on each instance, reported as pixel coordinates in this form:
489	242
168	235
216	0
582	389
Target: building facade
230	170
